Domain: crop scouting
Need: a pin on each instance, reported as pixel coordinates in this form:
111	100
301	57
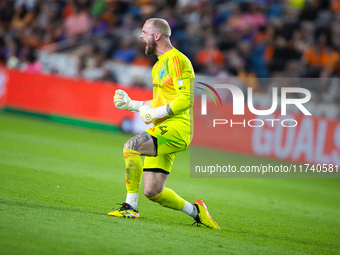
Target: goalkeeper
170	112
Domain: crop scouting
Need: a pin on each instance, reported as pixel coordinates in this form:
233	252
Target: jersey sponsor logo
158	86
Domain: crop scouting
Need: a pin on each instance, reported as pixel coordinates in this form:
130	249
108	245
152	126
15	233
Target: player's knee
151	192
128	144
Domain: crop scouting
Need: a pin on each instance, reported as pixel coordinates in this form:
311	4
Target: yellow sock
168	198
133	170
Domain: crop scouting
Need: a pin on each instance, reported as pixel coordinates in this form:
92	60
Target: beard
150	48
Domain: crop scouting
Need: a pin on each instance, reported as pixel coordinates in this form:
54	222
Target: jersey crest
162	72
164	69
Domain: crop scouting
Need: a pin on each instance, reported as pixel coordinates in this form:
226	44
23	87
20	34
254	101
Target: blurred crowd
239	38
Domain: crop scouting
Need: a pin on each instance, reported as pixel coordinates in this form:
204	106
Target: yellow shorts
169	142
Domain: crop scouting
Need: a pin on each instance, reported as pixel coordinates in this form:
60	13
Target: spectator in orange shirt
210	54
248	78
335	5
21	18
321	58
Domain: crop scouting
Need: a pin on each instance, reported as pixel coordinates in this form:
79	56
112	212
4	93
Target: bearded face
150	47
148	32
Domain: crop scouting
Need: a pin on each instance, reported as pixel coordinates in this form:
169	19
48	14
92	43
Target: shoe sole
126	217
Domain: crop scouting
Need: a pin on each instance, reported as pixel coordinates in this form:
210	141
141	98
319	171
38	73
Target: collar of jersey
164	55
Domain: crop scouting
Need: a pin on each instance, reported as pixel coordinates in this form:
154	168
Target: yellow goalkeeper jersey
173	82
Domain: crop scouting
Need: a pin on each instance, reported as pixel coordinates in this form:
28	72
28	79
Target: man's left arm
182	74
183	100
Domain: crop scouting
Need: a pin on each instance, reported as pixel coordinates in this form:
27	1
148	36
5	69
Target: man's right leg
141	144
154	182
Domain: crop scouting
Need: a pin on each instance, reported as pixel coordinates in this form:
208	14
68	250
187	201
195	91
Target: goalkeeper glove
123	102
149	114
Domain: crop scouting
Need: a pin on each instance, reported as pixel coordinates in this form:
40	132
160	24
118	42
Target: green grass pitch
58	182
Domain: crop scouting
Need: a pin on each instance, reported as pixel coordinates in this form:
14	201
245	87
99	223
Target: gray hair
161	25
